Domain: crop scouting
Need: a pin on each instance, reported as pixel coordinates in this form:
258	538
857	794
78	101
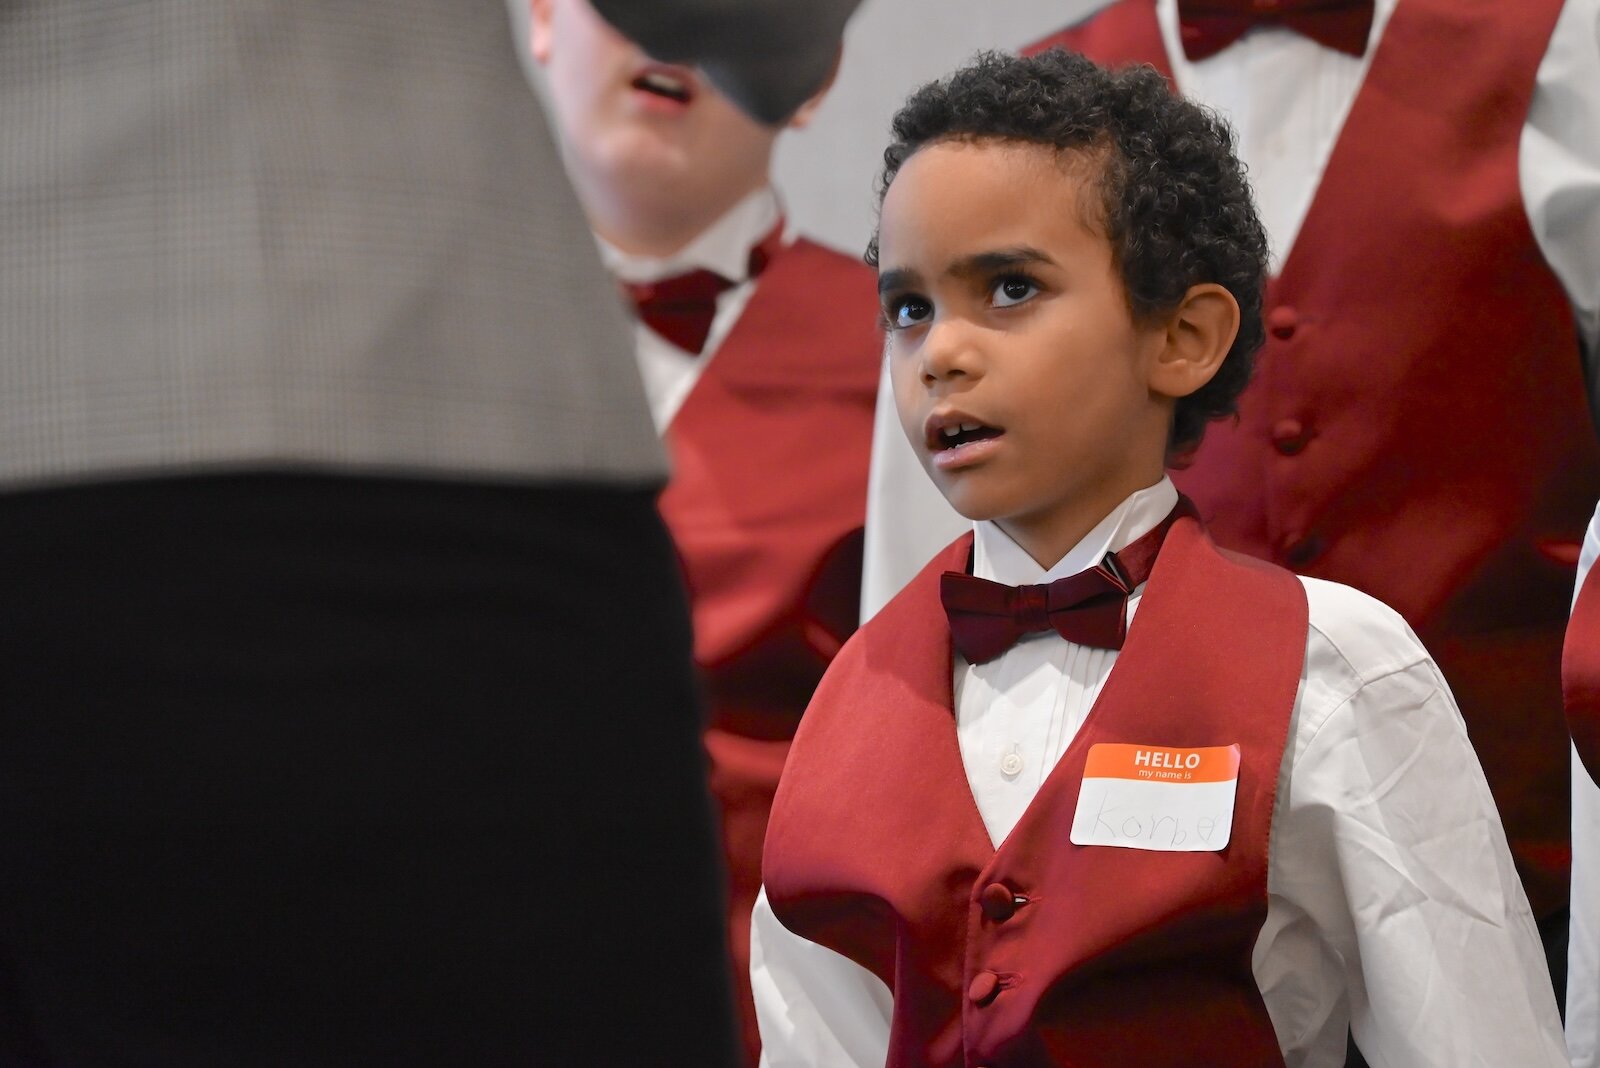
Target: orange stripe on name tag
1159	763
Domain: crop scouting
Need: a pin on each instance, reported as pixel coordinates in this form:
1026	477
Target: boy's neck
656	224
1048	539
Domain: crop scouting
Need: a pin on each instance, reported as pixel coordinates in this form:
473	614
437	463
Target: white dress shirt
1287	98
1583	956
1393	906
724	247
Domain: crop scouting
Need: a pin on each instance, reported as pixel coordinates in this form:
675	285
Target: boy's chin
967	505
976	515
973	494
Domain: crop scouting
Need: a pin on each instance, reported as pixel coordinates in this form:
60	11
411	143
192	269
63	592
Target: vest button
1289	436
983	988
1282	322
1559	551
998	902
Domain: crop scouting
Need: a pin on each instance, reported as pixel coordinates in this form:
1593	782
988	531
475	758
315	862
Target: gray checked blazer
322	233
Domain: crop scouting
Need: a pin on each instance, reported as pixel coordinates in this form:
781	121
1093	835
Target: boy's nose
949	350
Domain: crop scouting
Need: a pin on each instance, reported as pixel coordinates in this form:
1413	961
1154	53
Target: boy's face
1019	374
635	123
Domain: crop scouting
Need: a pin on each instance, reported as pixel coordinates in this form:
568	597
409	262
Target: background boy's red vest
1120	956
766	504
1418	427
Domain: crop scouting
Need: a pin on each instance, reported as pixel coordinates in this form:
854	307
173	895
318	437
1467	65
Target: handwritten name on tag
1157	797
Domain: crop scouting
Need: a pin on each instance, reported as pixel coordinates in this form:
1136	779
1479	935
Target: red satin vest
1418	427
1119	956
766	505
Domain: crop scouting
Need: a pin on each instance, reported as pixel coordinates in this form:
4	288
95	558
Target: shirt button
998	902
1010	764
1282	322
983	988
1289	436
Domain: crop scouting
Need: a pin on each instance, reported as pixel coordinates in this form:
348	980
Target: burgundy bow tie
1209	26
1089	608
681	308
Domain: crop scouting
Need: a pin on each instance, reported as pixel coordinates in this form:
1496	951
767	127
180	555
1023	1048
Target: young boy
760	358
1217	844
1435	249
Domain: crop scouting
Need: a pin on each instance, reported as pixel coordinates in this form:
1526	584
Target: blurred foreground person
760	353
344	668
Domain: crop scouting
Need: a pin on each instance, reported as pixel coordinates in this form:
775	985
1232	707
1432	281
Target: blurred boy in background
759	352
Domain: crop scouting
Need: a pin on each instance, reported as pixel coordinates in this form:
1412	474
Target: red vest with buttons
766	505
1045	952
1418	426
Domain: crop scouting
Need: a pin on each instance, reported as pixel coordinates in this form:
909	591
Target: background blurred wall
827	171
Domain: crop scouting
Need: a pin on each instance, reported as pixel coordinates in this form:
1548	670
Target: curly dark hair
1173	198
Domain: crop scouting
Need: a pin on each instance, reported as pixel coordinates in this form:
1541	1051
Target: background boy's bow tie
1090	608
681	308
1207	27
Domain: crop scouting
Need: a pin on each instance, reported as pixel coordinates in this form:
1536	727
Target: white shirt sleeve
1560	164
1583	953
816	1009
1391	867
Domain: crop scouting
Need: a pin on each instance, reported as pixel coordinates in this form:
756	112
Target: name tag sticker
1157	797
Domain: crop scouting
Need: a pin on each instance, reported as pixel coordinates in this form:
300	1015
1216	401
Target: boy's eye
1013	289
908	311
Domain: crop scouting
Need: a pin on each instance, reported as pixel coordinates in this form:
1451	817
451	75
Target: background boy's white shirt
1391	892
724	247
1583	956
1287	98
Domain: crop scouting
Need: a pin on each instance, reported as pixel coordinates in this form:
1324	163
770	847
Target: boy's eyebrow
981	263
977	264
896	278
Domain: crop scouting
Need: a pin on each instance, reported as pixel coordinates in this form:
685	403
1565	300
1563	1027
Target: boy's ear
803	116
539	29
1199	333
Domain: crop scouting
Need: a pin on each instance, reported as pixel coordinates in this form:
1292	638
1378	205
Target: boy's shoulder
911	624
902	654
1354	637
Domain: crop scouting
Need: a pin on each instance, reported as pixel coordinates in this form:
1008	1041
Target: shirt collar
1167	16
997	558
723	247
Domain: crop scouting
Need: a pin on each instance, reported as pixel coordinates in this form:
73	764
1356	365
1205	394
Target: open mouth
958	434
665	84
